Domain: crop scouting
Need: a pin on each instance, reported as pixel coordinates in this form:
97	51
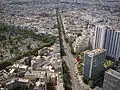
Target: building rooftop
35	74
21	66
95	51
113	73
23	80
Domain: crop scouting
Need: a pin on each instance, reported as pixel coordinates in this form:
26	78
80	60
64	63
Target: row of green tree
66	76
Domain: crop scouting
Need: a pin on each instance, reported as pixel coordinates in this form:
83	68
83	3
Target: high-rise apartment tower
108	39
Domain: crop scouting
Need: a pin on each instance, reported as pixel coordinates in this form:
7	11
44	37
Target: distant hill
103	2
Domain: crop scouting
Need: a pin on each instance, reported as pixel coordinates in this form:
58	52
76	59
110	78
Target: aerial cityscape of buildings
59	44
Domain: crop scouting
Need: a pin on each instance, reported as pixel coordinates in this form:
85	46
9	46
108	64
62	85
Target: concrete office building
108	39
93	63
111	80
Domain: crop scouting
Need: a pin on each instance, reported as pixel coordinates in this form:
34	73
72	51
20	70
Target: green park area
18	42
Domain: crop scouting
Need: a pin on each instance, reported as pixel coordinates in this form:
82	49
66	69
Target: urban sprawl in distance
59	44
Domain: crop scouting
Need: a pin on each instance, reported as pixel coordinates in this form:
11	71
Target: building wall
87	61
99	37
108	39
112	43
98	64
